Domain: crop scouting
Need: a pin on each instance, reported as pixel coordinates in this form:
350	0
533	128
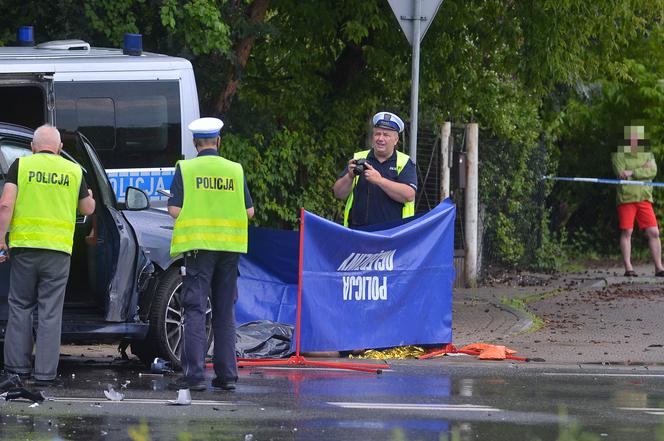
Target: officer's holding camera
379	185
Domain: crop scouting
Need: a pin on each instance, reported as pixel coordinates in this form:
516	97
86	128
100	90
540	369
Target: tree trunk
255	14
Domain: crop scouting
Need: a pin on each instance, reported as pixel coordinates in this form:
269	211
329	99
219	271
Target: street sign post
411	14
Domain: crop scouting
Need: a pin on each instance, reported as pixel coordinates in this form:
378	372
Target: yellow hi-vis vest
45	210
402	160
213	215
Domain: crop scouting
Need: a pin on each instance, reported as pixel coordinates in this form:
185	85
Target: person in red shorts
635	201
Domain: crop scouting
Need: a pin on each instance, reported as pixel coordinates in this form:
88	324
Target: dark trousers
37	280
213	274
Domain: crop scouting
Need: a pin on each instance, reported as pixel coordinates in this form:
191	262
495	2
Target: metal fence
429	176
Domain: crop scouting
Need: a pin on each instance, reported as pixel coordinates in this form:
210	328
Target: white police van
133	106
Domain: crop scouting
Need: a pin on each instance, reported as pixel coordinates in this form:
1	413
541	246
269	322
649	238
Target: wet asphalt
450	398
602	378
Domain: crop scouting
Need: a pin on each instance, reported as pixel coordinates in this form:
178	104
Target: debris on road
161	366
184	398
112	394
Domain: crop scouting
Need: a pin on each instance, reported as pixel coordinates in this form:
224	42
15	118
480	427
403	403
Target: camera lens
359	166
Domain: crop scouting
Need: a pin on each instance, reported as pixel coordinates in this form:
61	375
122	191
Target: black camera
360	166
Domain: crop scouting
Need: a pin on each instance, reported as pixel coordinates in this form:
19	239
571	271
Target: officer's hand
351	168
371	174
4	252
625	174
648	164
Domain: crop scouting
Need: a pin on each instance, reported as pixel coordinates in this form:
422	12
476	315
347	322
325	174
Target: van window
131	124
24	105
96	119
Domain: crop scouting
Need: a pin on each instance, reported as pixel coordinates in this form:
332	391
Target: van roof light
25	36
133	44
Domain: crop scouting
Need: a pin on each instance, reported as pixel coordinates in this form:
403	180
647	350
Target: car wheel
167	322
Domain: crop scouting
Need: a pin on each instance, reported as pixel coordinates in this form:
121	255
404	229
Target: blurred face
384	141
634	134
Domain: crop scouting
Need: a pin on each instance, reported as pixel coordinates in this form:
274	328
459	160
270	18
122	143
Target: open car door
112	247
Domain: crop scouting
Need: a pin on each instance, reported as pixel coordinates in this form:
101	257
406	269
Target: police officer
42	218
385	189
211	204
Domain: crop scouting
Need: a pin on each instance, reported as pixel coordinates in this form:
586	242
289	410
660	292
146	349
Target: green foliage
549	82
594	116
199	22
572	430
140	432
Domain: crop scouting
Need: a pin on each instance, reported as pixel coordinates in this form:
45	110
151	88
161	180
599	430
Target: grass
521	304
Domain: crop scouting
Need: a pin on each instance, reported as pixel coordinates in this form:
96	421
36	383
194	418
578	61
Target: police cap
387	120
206	127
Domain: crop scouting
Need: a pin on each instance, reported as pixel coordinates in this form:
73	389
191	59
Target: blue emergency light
25	36
133	44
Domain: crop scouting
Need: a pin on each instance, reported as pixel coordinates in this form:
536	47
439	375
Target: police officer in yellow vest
379	185
211	204
38	206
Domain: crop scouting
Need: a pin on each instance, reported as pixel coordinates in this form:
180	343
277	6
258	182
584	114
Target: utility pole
445	160
415	76
471	205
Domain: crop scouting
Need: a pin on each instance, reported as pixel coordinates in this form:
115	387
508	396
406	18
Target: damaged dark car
123	285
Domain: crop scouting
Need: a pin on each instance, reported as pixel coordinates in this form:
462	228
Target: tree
296	82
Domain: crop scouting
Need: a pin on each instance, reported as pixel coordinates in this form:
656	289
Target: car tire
166	318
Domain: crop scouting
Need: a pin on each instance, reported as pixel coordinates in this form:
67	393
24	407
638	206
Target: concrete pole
471	205
445	160
415	74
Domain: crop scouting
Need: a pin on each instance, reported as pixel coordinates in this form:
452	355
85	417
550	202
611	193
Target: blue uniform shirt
371	205
177	187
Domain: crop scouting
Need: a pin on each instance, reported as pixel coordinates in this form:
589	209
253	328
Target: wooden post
445	160
471	205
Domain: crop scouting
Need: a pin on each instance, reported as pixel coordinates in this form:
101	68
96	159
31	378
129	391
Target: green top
634	162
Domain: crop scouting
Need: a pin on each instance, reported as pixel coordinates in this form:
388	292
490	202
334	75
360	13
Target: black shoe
23	376
187	383
218	383
55	382
9	381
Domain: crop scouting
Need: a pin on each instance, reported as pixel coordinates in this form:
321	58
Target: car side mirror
136	199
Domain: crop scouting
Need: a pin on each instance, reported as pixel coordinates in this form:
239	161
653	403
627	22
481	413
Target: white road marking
135	401
648	410
572	374
416	406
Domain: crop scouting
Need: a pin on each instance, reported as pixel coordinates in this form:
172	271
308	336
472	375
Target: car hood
154	229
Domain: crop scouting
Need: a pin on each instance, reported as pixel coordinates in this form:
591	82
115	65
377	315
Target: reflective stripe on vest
213	215
45	210
402	160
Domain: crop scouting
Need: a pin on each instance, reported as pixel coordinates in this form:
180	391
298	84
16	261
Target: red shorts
642	211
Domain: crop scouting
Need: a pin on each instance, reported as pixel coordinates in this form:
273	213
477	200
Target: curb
523	321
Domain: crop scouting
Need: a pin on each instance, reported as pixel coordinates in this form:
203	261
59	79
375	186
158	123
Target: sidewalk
594	316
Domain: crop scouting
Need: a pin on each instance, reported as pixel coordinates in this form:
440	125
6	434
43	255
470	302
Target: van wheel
165	336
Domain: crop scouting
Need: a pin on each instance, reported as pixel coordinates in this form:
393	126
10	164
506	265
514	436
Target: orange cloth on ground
489	352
